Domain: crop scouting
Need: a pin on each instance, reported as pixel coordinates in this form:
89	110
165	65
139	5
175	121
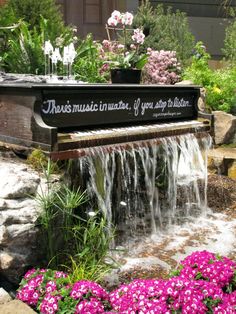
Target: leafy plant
33	23
57	203
92	239
230	42
40	162
30	11
24	53
85	269
73	238
165	30
87	63
220	84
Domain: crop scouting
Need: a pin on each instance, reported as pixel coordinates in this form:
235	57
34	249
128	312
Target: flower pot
125	76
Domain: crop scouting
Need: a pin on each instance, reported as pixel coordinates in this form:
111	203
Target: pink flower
127	18
112	21
116	15
162	67
106	44
138	36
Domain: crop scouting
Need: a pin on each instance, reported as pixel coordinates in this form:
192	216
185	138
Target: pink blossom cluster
120	18
204	283
31	284
206	265
91	297
37	288
83	287
49	304
47	291
140	296
162	67
176	295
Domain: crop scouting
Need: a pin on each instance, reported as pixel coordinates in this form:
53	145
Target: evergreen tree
31	12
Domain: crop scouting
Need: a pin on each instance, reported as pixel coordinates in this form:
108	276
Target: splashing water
145	189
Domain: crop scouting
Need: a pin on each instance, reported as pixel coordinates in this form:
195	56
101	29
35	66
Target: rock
185	82
4	296
3	234
216	164
19	236
15	307
232	170
221	161
5	261
17	181
225	128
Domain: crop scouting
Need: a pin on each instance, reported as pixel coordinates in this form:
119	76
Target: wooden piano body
65	120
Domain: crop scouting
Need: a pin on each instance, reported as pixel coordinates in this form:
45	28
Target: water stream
146	189
155	195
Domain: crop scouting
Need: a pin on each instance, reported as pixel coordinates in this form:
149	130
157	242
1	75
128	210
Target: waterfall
146	188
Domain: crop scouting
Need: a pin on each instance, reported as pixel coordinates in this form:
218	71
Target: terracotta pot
125	76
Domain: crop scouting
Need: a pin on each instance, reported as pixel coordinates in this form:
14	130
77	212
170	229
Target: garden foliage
38	21
220	84
30	11
230	42
70	235
165	30
203	283
88	63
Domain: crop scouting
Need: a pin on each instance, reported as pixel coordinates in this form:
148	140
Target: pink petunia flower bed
202	283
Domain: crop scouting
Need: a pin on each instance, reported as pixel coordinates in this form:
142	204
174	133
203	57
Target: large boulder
225	128
19	237
15	307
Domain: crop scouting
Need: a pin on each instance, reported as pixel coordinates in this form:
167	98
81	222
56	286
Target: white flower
127	18
72	52
120	46
69	54
53	57
116	15
138	36
57	54
48	48
112	21
91	214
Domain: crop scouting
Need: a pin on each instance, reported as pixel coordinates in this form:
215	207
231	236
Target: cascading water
146	188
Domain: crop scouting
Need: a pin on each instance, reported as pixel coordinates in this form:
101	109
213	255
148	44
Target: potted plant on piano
123	55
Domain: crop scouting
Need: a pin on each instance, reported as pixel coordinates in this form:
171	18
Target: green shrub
30	11
165	30
21	47
24	53
71	237
87	64
230	42
220	84
24	50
